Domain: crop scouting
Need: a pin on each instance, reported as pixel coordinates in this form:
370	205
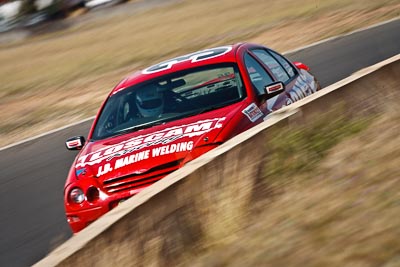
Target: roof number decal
194	57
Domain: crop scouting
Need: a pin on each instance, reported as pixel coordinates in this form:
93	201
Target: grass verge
335	200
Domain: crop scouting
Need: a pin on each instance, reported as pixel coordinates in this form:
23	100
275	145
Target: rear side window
258	76
278	71
289	69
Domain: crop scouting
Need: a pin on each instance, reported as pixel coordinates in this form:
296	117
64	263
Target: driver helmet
149	101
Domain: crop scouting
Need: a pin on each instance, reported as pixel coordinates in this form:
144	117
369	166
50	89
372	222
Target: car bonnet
161	145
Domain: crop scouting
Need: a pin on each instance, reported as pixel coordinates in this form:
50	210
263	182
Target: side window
289	69
272	64
258	76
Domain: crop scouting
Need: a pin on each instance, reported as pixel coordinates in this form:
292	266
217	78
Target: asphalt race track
32	176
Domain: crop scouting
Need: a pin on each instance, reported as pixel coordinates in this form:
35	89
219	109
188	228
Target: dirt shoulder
57	79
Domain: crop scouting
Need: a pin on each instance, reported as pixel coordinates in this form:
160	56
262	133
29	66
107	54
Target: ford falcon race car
158	119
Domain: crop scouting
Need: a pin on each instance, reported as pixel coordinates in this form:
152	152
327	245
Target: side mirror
75	143
302	66
274	88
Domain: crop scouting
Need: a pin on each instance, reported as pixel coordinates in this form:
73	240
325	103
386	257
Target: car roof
197	59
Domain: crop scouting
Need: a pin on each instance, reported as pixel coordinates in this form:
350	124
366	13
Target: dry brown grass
341	212
59	78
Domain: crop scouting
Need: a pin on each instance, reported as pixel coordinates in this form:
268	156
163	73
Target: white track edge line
341	35
46	133
287	52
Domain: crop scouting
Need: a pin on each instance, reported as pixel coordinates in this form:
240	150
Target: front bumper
80	219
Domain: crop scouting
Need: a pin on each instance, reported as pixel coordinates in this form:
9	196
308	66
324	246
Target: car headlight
76	195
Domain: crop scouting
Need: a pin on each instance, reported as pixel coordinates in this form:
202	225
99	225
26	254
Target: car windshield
169	98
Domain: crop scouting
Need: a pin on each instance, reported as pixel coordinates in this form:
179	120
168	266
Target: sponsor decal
304	86
194	57
80	171
132	159
162	137
104	169
252	112
173	148
123	162
143	155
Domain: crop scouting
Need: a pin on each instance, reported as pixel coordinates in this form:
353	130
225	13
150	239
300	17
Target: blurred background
59	59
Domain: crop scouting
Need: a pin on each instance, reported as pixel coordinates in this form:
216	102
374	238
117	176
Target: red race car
158	119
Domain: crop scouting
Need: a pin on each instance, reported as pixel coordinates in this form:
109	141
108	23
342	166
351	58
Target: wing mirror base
272	90
75	143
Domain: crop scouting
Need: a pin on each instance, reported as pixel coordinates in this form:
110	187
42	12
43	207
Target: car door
260	76
296	85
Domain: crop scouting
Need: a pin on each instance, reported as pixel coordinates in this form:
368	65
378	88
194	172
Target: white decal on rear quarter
252	112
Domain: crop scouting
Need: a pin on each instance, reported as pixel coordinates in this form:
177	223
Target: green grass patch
337	203
299	149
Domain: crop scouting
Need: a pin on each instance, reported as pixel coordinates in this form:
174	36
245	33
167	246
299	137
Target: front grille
137	181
